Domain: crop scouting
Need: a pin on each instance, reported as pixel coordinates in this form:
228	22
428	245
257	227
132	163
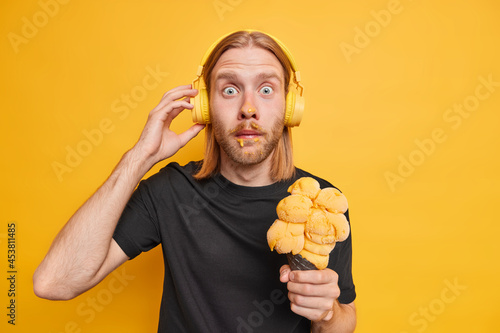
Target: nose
248	110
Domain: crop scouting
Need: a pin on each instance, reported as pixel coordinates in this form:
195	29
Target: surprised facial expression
247	103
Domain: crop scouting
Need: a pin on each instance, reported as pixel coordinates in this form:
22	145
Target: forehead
248	59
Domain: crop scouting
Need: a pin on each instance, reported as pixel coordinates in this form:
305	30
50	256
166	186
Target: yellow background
436	226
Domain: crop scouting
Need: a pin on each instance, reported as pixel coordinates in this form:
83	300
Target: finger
311	314
189	134
176	107
175	111
178	96
328	316
311	302
175	94
314	276
179	92
284	272
178	88
314	290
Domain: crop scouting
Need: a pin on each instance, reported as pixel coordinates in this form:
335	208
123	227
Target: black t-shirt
220	275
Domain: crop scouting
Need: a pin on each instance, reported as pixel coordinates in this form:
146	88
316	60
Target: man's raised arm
84	252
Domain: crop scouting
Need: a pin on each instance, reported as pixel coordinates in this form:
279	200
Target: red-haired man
211	217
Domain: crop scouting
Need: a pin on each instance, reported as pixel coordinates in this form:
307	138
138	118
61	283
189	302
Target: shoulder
322	182
172	174
175	168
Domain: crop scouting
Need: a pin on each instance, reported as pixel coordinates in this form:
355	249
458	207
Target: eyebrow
226	76
231	76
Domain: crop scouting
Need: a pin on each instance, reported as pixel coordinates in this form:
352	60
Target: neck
246	175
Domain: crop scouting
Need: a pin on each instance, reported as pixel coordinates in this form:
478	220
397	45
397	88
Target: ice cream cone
298	263
310	221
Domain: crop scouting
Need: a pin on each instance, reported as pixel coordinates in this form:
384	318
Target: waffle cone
298	263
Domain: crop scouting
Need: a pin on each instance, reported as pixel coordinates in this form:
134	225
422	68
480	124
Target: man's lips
247	134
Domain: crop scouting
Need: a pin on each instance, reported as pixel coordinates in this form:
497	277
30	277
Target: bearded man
210	216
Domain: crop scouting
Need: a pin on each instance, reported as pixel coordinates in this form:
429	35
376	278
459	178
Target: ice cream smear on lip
241	141
245	136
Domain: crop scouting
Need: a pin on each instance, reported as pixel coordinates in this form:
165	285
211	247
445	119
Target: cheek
218	106
213	100
217	117
279	106
218	129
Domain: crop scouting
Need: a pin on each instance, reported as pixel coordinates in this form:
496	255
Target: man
210	217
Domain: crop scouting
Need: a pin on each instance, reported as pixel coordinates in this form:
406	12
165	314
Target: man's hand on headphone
157	142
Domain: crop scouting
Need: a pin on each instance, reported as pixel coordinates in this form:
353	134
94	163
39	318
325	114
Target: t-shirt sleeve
341	260
341	263
137	229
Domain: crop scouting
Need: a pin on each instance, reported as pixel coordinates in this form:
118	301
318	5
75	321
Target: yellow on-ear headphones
294	97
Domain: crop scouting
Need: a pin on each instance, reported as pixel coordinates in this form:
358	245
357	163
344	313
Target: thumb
284	272
190	133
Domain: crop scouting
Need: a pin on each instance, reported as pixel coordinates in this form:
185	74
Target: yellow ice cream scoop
306	186
318	223
286	237
340	224
332	200
313	247
294	208
321	239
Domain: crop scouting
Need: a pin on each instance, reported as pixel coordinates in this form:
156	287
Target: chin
250	155
248	158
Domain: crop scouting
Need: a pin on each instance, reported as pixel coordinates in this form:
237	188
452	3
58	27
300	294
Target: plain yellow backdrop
402	101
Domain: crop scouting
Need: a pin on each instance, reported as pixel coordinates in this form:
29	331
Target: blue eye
266	90
230	91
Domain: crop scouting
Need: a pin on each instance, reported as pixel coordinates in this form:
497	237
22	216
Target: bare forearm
83	252
343	320
80	248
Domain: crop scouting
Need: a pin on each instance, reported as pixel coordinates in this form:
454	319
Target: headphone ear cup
298	111
294	109
200	113
204	105
290	105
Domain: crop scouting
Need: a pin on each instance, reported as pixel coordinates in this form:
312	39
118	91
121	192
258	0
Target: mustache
248	126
